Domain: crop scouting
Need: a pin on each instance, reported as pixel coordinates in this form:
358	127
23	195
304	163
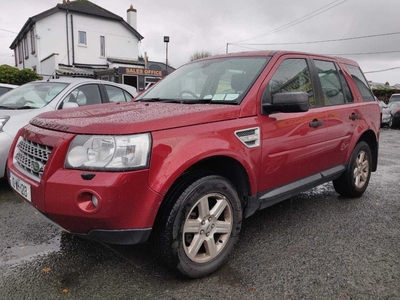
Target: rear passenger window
330	82
115	94
293	75
346	89
361	83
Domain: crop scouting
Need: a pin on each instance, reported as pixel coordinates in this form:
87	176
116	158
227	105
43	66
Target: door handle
316	123
354	116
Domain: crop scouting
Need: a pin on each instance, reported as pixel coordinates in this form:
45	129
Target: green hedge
12	75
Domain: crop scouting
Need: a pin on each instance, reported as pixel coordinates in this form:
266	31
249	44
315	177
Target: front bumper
125	206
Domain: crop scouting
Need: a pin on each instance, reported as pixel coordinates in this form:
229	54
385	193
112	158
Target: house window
15	57
102	46
26	48
82	38
32	33
20	52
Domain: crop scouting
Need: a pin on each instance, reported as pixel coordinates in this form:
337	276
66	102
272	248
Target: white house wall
51	39
119	41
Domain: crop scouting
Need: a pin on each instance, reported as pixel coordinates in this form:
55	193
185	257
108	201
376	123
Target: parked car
4	88
206	147
385	113
18	106
394	110
394	98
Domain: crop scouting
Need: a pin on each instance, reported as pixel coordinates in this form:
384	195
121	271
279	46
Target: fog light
95	202
88	202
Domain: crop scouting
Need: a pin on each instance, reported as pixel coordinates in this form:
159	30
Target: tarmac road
313	246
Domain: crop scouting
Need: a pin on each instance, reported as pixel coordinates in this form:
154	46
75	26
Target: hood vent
249	137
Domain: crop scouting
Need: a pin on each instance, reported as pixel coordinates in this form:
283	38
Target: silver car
4	88
385	113
21	104
394	109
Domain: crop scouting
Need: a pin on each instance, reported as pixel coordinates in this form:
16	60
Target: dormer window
82	38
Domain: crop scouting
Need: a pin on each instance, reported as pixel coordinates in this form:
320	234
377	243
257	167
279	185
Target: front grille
32	157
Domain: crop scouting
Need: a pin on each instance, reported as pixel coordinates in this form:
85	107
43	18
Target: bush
12	75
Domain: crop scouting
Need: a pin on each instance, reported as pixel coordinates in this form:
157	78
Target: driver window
293	75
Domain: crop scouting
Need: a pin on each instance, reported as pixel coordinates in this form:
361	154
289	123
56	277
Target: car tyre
196	233
390	124
354	180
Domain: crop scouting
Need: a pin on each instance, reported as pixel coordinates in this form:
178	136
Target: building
77	38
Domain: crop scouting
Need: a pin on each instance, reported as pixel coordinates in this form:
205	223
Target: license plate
22	188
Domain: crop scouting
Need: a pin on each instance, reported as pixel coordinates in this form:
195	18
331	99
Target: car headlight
3	121
109	153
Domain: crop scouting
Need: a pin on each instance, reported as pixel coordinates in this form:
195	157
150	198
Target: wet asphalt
316	245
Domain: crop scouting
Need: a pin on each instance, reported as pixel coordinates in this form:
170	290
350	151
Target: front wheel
200	229
354	180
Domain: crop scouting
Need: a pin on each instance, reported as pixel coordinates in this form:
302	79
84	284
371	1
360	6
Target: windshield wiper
181	101
161	100
17	107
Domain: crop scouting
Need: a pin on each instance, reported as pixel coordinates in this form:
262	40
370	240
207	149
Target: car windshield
31	95
394	98
218	80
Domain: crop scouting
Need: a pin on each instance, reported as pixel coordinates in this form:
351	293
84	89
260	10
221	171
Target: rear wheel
354	180
200	229
390	124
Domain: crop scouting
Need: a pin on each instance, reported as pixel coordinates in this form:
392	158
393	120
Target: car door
338	102
345	111
292	143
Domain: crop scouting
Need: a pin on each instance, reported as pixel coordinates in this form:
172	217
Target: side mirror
70	105
287	102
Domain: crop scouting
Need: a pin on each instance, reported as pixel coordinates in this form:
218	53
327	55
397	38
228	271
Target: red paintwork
183	135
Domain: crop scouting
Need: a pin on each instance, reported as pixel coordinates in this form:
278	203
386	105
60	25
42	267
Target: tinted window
361	83
115	94
345	87
330	83
293	75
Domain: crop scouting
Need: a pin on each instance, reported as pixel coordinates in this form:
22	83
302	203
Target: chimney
131	17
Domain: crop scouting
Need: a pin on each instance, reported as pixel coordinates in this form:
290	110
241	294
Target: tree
198	55
12	75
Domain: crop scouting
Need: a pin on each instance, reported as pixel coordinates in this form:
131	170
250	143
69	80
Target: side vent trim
250	137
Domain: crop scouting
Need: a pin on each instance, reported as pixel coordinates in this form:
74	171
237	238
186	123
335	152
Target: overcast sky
208	25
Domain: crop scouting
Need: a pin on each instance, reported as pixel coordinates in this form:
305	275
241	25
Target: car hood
133	117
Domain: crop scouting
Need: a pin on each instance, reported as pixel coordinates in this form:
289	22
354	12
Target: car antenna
52	74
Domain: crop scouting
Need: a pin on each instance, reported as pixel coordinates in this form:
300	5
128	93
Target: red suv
190	158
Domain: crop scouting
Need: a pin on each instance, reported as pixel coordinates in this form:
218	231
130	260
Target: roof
80	6
75	71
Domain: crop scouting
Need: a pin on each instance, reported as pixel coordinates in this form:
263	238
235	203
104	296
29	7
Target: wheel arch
224	166
371	139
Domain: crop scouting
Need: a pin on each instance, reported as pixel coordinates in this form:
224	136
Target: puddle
21	254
